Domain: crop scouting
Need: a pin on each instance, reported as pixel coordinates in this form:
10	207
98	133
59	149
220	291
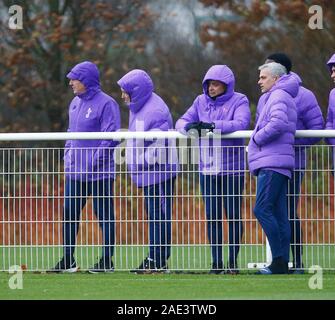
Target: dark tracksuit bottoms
296	231
271	211
158	203
76	193
228	188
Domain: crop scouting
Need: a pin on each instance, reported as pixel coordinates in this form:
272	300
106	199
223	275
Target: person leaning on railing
309	117
271	159
222	110
152	164
330	122
89	165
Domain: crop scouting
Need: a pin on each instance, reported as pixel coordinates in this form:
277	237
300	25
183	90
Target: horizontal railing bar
196	196
144	220
47	136
188	245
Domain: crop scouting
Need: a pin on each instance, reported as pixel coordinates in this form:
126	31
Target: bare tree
57	34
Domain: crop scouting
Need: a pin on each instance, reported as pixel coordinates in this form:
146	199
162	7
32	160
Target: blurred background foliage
174	41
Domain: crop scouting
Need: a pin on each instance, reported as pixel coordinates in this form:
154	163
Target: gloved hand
206	126
200	127
192	125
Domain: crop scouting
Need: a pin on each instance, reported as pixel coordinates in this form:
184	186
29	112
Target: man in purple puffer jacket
89	164
222	109
330	122
152	164
309	117
271	159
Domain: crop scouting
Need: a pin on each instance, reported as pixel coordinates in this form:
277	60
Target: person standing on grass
222	109
309	117
152	164
271	159
89	165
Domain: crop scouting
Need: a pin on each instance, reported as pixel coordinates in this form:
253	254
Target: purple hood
288	84
225	75
88	74
138	84
331	62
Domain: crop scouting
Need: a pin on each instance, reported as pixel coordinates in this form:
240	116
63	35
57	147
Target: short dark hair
281	58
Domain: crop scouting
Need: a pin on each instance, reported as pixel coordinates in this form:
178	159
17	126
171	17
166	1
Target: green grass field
123	285
193	258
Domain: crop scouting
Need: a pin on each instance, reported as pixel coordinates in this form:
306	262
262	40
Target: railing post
268	252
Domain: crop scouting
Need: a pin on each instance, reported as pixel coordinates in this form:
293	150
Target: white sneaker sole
100	271
71	270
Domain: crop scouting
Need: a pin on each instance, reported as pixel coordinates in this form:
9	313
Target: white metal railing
32	198
124	134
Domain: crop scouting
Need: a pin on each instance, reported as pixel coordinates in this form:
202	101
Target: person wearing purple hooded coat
89	164
330	122
309	117
222	110
152	164
271	159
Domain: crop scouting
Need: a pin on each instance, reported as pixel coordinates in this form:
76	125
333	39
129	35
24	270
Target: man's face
333	73
266	80
77	87
215	88
125	96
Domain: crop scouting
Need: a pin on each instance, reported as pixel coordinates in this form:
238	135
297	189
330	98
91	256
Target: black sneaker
104	265
297	269
66	265
149	266
217	269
